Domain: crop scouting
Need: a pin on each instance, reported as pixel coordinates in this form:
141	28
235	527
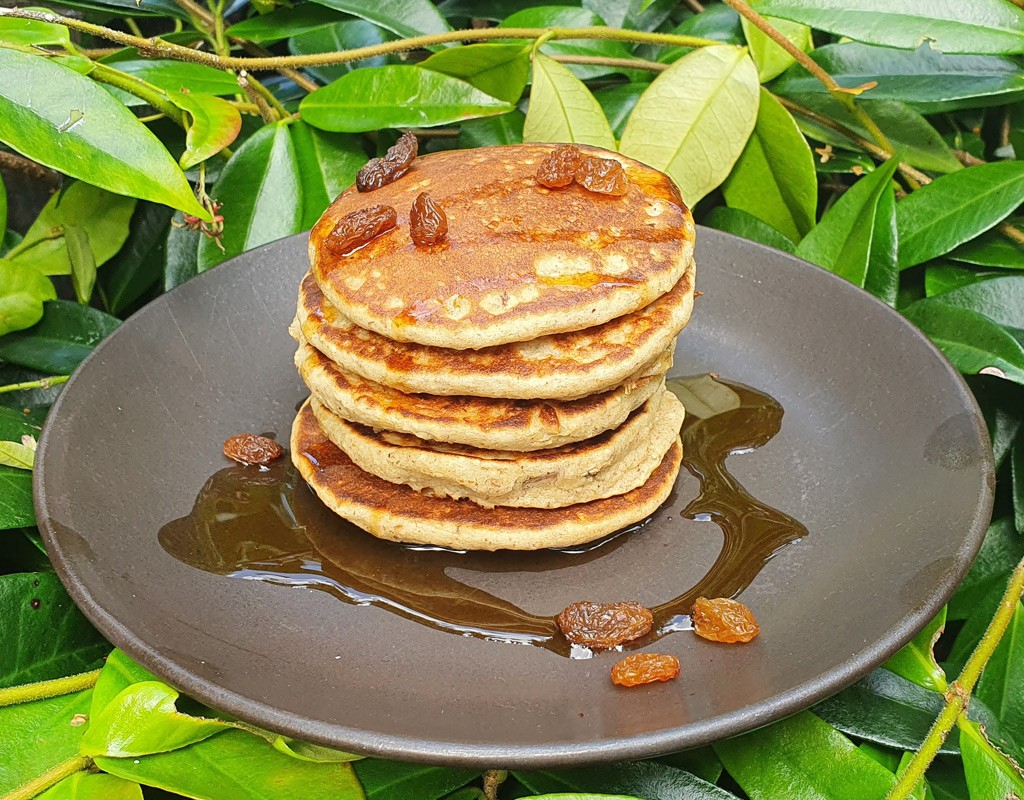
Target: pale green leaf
770	58
989	773
23	291
93	786
17	455
83	264
500	70
562	109
213	125
915	661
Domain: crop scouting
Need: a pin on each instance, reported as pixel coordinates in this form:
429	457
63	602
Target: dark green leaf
327	164
977	618
235	765
774	178
981	26
1017	476
23	291
886	709
37	736
174	77
140	261
926	79
65	335
946	780
16	509
856	236
802	757
346	35
83	264
396	95
181	254
213	125
701	761
740	223
1000	684
647	779
53	638
940	278
395	780
771	58
499	70
1000	299
580	796
261	195
404	17
55	116
617	102
916	661
695	118
93	786
1001	403
989	773
991	249
493	131
955	208
562	109
285	22
717	21
133	8
999	553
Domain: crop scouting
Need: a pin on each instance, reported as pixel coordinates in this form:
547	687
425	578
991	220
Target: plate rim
433	752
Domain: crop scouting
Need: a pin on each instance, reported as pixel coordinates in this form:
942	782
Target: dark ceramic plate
882	454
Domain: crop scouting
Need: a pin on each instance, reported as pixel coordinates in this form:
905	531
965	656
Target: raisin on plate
641	668
604	625
252	449
723	620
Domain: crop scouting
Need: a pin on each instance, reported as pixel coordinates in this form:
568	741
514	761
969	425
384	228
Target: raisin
250	448
602	175
559	168
359	228
604	625
428	224
723	620
641	668
393	165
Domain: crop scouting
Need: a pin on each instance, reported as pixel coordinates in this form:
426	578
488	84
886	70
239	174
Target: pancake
562	365
399	513
606	465
486	422
520	260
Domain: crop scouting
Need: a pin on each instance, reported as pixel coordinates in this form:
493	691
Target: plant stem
604	61
249	86
153	95
959	693
157	47
51	777
41	690
31	169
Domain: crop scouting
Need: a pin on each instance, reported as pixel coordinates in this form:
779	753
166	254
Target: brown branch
967	159
29	168
266	112
694	6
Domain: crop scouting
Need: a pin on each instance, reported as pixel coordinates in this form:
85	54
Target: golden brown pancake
561	365
520	260
397	512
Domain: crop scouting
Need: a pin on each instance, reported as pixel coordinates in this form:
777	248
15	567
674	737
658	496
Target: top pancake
520	260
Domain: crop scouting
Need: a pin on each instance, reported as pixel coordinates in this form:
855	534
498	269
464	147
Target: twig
492	780
16	163
967	159
959	693
294	75
153	95
249	87
603	61
51	777
42	690
694	6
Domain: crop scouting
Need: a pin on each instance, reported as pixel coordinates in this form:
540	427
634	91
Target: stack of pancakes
503	388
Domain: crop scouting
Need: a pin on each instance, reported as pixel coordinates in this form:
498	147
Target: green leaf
176	78
261	194
23	291
580	796
53	638
118	673
717	21
397	95
982	26
1000	684
991	249
926	79
56	117
65	335
93	786
83	264
886	709
500	70
346	35
695	118
700	761
33	33
235	765
493	131
3	211
916	660
774	178
740	223
917	142
1000	299
856	237
999	554
104	216
327	164
213	125
562	109
1017	477
1000	403
617	102
395	780
971	341
304	751
138	264
181	254
647	779
801	758
955	208
16	510
285	22
940	278
770	58
989	773
404	17
17	455
37	736
14	424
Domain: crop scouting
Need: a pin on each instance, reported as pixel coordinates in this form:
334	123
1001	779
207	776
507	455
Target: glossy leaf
93	786
700	761
181	254
970	340
1000	684
261	194
856	236
1017	477
562	109
285	22
65	335
981	26
346	35
991	249
774	178
915	661
647	779
740	223
940	278
133	8
16	510
989	773
1000	299
304	751
213	125
617	102
139	262
999	553
62	120
17	455
174	77
580	796
32	33
404	17
928	80
695	118
718	21
493	131
802	757
105	217
770	58
499	70
396	95
235	765
118	673
83	264
23	291
955	208
395	780
37	736
327	165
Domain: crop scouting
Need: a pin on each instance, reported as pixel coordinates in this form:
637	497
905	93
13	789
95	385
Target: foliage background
884	144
